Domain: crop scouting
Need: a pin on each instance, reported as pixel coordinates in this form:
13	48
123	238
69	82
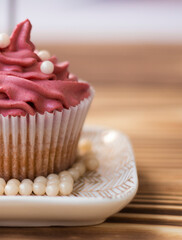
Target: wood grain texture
138	91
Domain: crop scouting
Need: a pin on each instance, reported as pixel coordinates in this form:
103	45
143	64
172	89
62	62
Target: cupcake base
41	144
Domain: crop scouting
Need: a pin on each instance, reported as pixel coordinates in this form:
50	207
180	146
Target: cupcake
42	109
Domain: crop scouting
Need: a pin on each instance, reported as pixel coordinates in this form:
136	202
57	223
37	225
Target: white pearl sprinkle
52	190
63	173
1	189
67	178
40	179
52	176
47	67
80	166
91	164
39	188
26	180
86	156
2	182
74	173
14	181
65	188
25	188
44	55
53	181
84	146
4	40
11	189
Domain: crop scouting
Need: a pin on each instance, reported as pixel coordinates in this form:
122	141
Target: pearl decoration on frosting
54	184
47	67
4	40
43	55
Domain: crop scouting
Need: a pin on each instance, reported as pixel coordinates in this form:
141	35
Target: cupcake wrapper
41	144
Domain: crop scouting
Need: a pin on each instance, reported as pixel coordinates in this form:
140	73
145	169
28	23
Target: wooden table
138	91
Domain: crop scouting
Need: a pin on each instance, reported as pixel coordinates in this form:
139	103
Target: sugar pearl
86	156
2	182
44	55
40	179
52	190
52	176
39	188
26	180
14	181
74	173
67	178
47	67
65	188
80	166
91	164
63	173
54	181
4	40
84	146
1	189
25	188
11	188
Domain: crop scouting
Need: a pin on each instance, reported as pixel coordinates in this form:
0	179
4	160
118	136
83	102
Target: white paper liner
41	144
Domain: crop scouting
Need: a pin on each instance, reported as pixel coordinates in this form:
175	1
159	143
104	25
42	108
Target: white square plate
96	196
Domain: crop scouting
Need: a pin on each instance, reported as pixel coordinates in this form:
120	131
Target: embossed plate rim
64	211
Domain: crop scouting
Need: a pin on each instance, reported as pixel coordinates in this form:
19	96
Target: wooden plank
175	202
140	218
159	196
106	231
122	63
154	209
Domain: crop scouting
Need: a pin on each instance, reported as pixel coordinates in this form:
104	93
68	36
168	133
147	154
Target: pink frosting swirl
25	89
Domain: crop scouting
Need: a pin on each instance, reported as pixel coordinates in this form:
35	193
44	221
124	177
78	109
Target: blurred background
93	21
